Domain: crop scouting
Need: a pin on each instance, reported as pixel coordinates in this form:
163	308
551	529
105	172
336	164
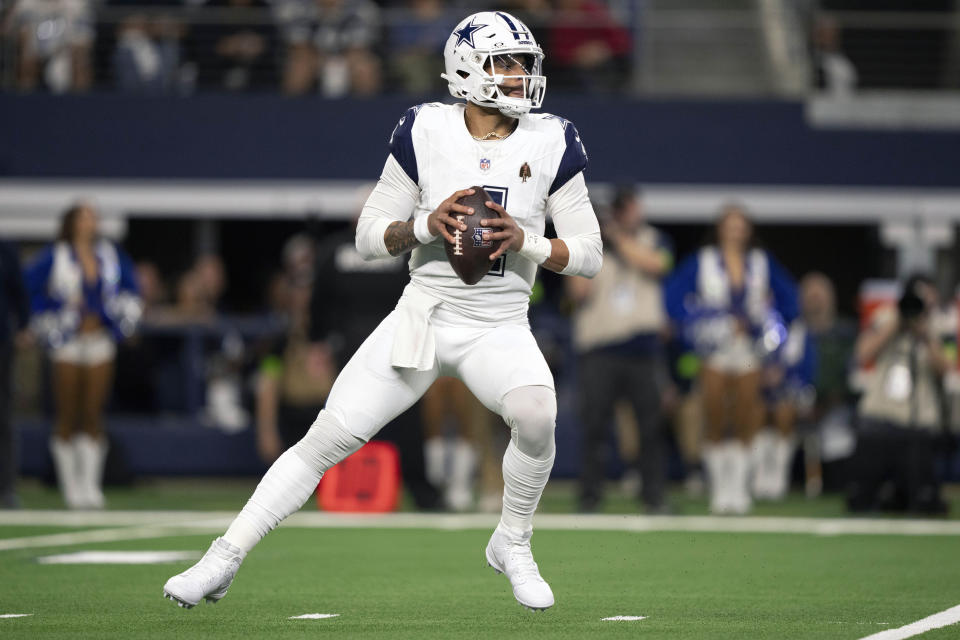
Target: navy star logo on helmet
466	33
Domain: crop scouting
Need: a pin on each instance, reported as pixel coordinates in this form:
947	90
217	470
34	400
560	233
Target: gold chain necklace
492	134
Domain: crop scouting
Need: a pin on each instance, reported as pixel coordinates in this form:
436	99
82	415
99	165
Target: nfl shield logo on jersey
484	164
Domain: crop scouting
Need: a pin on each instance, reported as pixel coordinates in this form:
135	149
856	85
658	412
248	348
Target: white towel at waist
414	346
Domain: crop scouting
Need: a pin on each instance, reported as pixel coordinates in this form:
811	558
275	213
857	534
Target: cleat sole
180	603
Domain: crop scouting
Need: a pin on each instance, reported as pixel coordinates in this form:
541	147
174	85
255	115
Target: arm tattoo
400	238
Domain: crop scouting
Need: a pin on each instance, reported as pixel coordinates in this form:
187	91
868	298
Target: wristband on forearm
422	231
535	247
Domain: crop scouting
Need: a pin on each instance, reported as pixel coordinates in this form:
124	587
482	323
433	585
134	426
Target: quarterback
531	165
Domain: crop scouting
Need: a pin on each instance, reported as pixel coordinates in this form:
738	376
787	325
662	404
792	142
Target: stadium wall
270	137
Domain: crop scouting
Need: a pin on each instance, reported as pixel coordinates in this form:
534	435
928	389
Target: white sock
286	486
291	480
435	461
91	454
66	460
523	481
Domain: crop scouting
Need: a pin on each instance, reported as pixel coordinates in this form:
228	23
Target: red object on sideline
367	481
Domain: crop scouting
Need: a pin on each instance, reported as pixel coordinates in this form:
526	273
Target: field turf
427	583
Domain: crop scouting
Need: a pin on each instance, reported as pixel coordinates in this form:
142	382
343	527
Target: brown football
469	255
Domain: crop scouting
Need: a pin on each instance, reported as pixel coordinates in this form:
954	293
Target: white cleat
208	579
509	553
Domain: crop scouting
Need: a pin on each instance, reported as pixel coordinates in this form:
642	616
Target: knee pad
531	414
326	443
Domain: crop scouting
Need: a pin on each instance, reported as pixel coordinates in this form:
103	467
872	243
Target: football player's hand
510	235
443	220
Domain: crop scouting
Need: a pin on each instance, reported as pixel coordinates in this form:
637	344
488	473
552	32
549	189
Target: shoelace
521	561
205	571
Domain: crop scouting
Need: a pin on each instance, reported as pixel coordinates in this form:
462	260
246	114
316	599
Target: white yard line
132	525
109	535
120	557
937	620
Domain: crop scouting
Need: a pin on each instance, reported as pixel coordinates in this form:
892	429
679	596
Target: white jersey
526	173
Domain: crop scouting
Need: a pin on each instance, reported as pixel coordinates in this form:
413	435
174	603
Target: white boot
459	494
210	578
92	453
761	464
66	463
783	450
739	456
509	553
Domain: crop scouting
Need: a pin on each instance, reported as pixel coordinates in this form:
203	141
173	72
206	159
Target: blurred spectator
296	377
198	292
835	73
618	327
238	56
833	342
139	363
683	404
299	256
54	42
83	294
340	320
417	38
223	408
330	44
153	291
788	396
900	412
733	302
147	57
588	50
14	316
190	304
211	280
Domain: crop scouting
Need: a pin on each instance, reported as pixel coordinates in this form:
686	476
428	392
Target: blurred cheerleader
732	301
84	298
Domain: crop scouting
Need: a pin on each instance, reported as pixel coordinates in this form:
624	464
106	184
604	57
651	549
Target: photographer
900	412
618	325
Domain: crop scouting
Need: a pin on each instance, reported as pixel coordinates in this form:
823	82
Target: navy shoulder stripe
401	143
574	158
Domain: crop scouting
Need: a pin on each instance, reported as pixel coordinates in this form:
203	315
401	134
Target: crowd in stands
333	48
725	366
337	48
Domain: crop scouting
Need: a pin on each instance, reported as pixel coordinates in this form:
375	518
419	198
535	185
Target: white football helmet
480	41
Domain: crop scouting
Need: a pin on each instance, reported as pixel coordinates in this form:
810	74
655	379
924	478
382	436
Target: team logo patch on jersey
484	164
525	172
481	240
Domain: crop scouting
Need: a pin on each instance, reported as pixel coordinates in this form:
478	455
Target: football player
531	165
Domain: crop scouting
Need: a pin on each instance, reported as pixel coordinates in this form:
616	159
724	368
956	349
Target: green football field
423	576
